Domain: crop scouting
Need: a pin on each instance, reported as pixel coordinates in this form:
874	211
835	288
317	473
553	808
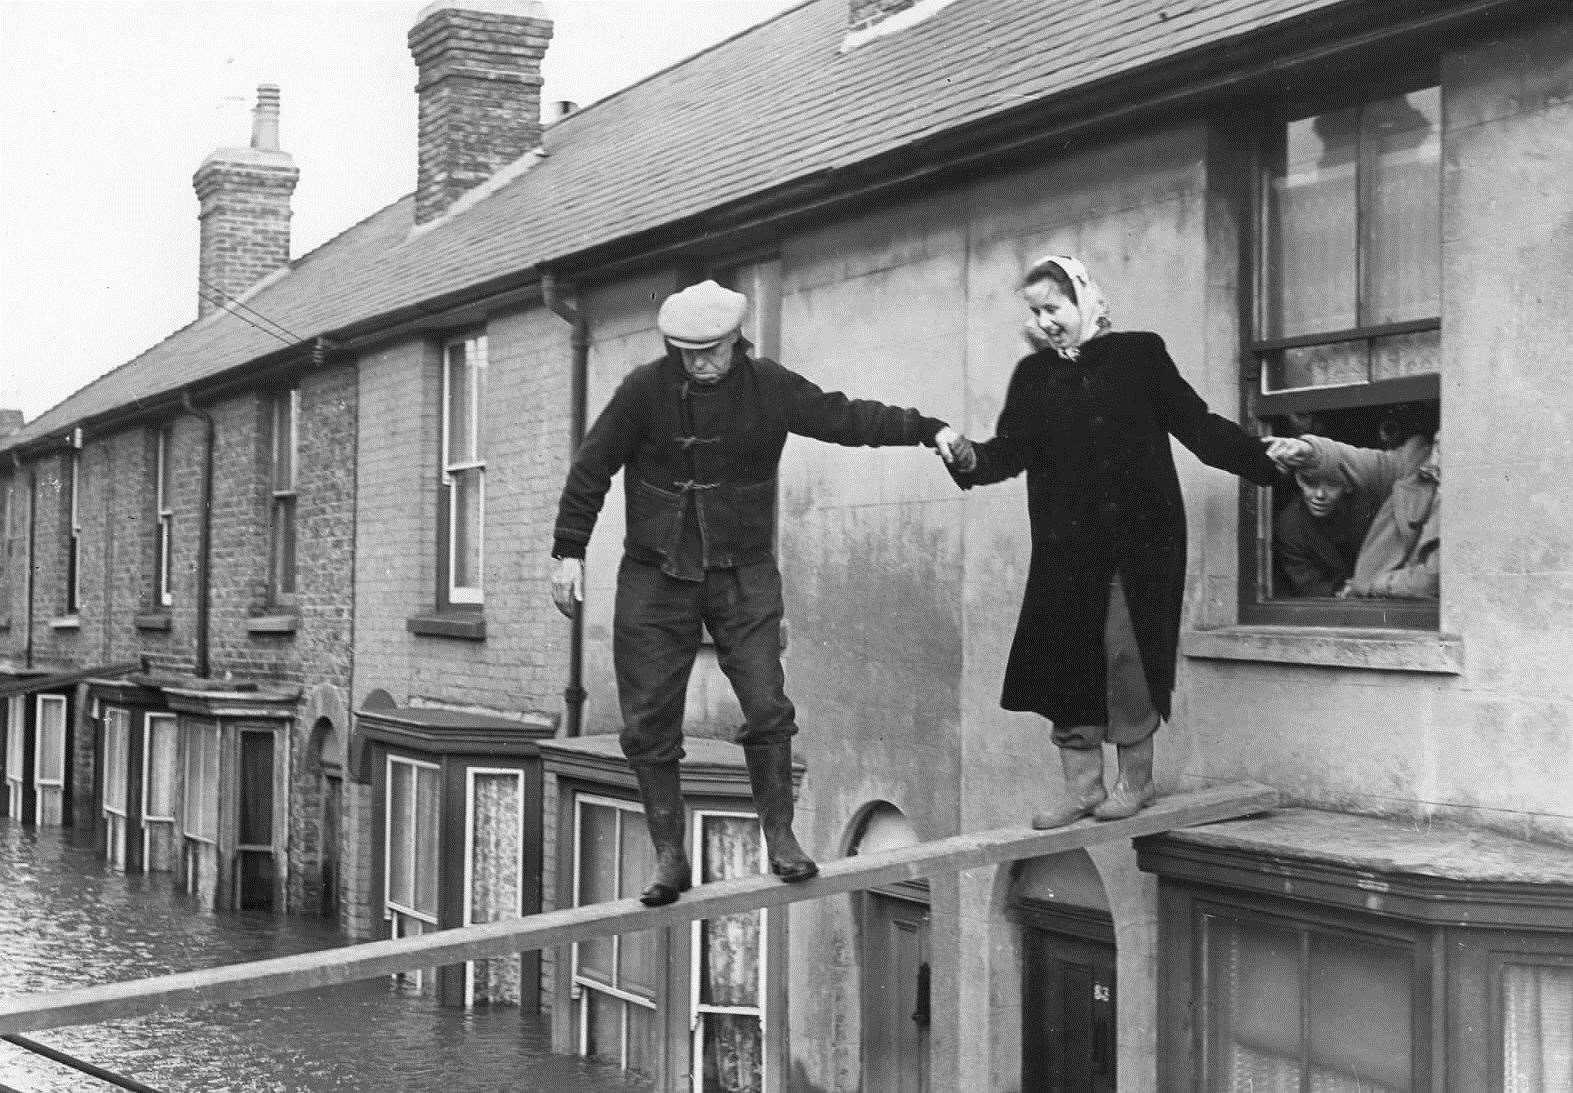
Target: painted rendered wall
1493	744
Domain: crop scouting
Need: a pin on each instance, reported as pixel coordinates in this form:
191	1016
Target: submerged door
895	995
255	876
332	789
1068	1014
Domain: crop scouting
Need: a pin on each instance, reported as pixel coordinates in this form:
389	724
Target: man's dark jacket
701	460
1092	436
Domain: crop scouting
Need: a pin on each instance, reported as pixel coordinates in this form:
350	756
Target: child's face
1054	313
1321	495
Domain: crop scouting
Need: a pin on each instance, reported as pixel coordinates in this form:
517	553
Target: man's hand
955	449
1290	452
568	585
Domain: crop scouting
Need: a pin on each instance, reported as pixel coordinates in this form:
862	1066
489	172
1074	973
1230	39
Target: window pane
597	881
1328	365
51	752
115	732
1311	261
160	760
283	545
1254	995
461	395
733	1054
604	1027
466	528
729	953
1537	1028
1360	1017
400	813
427	801
644	1039
636	961
1403	219
1407	355
284	441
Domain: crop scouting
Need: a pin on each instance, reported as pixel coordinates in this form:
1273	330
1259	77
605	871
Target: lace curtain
494	880
1537	1028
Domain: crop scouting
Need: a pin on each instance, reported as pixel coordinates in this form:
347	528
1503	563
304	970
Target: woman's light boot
661	791
770	776
1133	791
1084	779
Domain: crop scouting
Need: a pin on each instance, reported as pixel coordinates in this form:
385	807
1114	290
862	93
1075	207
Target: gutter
204	535
578	387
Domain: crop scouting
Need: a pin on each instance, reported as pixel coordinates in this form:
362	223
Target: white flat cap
701	315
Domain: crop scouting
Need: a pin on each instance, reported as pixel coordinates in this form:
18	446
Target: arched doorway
1068	1000
894	961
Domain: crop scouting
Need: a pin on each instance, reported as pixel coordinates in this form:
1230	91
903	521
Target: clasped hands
1290	453
955	449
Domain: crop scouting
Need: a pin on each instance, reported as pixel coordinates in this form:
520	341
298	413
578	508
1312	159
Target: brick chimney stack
479	84
244	195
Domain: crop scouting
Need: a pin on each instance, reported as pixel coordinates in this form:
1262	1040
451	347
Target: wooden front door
1068	1014
895	995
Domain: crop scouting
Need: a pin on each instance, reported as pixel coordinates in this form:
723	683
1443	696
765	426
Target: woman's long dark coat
1093	438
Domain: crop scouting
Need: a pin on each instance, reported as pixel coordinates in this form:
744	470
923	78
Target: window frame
203	742
164	516
697	1010
1257	604
467	918
15	754
581	986
283	490
41	740
400	916
451	595
73	588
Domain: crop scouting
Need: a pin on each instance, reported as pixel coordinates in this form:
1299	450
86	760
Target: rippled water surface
67	920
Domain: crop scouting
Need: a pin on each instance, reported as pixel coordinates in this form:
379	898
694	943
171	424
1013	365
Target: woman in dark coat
1088	417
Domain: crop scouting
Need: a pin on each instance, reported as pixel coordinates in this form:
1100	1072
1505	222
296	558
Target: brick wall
245	220
522	663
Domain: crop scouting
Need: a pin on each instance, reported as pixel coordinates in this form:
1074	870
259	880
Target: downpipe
578	384
204	535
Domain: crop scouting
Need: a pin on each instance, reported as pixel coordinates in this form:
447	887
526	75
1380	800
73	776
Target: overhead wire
241	311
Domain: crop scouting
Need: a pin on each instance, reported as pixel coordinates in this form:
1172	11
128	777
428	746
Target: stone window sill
272	624
1333	647
153	620
65	622
465	625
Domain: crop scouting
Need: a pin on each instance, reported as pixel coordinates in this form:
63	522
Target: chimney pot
265	119
561	108
244	195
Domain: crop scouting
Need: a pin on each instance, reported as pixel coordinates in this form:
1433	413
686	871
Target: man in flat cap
699	432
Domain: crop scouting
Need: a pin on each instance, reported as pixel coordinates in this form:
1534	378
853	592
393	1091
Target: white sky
108	106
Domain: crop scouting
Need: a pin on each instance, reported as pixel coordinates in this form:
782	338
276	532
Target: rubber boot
1134	790
1084	779
770	775
661	791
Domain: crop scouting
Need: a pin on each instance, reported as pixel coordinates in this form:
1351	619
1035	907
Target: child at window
1317	536
1402	553
1088	416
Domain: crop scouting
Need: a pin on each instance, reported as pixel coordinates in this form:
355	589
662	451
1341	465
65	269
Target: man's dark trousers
657	627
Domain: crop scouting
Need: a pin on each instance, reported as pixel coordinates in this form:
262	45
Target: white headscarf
1094	309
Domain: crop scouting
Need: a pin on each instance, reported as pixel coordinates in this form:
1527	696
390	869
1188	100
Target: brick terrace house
1349	213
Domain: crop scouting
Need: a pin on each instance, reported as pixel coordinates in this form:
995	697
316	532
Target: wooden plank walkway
328	967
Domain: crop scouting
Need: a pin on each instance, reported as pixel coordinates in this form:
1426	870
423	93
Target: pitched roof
776	104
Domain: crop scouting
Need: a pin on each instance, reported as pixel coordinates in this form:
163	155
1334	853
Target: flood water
67	920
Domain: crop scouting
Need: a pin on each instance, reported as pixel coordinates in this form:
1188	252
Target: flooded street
66	920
